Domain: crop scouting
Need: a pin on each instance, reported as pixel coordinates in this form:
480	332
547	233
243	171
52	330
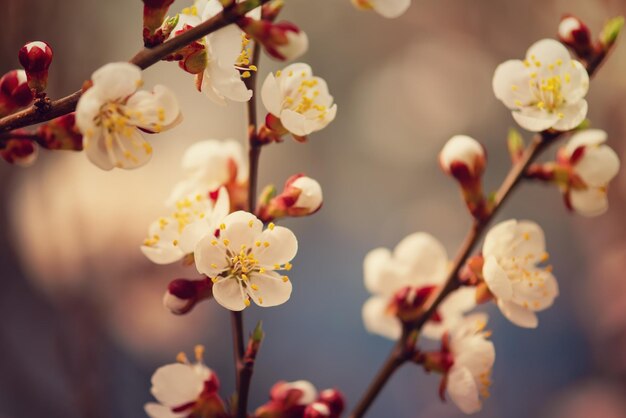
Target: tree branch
143	59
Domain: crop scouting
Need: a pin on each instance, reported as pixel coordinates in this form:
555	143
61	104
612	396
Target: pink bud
301	196
14	92
21	152
575	34
317	410
334	399
283	40
36	58
183	294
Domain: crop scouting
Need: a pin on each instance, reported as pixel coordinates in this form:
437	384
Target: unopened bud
183	294
283	40
407	303
334	399
317	410
36	58
61	134
271	9
14	92
575	34
301	196
21	152
154	12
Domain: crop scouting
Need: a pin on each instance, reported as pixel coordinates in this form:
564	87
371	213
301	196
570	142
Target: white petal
463	390
535	120
272	290
154	110
425	258
497	280
511	84
391	8
155	410
530	241
538	294
295	122
297	45
520	316
376	272
578	85
176	384
161	255
548	51
590	202
226	82
378	321
573	115
96	151
210	259
229	294
588	137
271	95
117	80
130	149
598	165
225	45
241	229
193	233
87	108
282	248
499	239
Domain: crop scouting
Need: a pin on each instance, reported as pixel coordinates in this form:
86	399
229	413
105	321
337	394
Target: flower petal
229	294
586	138
226	82
154	110
281	247
272	290
538	294
378	321
87	108
116	80
520	316
463	390
598	165
424	257
535	120
176	384
376	272
240	229
548	51
497	280
271	95
391	8
511	84
572	116
589	202
210	256
499	239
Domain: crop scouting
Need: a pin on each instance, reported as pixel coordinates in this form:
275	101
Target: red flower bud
575	34
61	133
301	196
283	40
22	152
14	92
183	294
334	399
408	303
154	12
36	58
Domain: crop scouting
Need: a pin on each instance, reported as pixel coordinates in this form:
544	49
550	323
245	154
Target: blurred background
82	327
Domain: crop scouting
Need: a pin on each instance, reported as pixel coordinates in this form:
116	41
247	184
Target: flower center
303	99
547	91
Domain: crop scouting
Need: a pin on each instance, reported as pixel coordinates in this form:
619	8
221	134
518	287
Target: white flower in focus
594	164
546	90
386	8
513	251
465	150
300	100
209	165
244	261
419	260
111	113
227	53
469	378
184	390
172	238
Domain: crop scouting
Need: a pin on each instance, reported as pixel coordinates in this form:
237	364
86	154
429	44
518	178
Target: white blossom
244	262
386	8
173	237
418	260
546	90
513	252
111	113
469	378
300	100
595	165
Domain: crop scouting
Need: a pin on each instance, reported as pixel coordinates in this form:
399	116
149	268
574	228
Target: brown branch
397	358
143	59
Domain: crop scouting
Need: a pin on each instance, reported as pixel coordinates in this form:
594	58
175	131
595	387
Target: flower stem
143	59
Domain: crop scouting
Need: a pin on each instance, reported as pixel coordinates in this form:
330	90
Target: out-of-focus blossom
209	165
297	101
284	40
36	58
183	294
243	262
300	399
186	390
513	251
592	165
14	92
301	196
546	90
61	133
173	237
418	261
21	152
472	357
386	8
111	114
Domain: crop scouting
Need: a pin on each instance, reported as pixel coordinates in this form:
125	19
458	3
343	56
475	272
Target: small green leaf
258	334
516	143
585	124
611	30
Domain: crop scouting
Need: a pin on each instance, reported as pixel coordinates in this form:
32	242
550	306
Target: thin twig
143	59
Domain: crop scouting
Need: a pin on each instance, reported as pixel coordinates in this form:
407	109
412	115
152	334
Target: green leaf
516	143
258	334
611	30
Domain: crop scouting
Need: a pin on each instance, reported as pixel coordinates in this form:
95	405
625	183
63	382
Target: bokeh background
82	327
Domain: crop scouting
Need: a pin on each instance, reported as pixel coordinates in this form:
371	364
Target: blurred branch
143	59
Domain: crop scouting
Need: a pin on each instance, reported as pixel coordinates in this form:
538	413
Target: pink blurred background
81	322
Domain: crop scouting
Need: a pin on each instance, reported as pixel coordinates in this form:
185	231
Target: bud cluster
300	400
